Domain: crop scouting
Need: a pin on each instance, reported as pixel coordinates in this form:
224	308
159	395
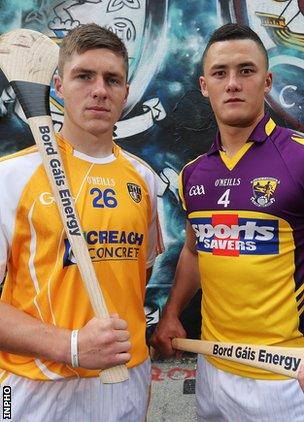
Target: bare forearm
148	274
23	334
185	284
102	343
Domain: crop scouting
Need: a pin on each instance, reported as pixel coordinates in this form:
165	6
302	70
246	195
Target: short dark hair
235	31
89	37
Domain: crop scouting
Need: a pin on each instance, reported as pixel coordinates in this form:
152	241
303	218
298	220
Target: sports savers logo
230	235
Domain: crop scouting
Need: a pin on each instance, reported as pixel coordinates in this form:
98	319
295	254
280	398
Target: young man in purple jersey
244	202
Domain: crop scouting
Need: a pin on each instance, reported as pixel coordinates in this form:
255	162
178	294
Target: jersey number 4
224	199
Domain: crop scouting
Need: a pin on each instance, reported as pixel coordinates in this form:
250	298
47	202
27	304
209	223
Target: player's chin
237	120
99	128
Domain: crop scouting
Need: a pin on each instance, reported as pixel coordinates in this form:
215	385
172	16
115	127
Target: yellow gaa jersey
116	201
247	213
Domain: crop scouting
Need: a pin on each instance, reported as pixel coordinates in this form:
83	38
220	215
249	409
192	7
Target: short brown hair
235	31
89	37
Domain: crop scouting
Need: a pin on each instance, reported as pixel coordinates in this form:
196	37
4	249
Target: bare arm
301	377
148	274
185	285
101	342
22	334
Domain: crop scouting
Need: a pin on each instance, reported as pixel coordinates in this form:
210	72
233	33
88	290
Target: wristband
74	349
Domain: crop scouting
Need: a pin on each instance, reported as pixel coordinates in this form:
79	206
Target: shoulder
17	167
284	137
143	168
297	137
190	167
24	155
138	162
290	145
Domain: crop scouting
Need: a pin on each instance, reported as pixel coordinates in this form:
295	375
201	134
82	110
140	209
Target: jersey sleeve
294	156
3	247
155	245
15	171
183	178
5	219
181	189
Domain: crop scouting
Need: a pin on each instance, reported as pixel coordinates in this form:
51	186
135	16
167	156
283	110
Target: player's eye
247	70
84	76
113	81
219	73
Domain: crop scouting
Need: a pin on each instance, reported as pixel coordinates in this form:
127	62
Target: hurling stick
280	360
28	60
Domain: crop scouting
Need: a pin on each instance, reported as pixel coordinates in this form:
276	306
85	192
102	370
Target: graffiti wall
166	120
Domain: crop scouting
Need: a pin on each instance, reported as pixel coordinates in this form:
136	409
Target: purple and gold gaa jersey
247	213
116	201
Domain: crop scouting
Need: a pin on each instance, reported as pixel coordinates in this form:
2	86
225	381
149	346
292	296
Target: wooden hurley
280	360
28	60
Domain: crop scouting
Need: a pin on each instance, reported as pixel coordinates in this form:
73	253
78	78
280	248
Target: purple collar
257	135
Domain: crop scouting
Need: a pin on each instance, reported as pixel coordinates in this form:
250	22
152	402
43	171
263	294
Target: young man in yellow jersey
43	299
244	240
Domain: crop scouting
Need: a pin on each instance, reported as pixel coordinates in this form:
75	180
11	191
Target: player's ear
268	82
203	86
58	86
126	94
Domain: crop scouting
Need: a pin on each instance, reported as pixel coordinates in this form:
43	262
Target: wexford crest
263	190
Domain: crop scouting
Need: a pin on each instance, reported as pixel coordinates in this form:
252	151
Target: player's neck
87	143
233	138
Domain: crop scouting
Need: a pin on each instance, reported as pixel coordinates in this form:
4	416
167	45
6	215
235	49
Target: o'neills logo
134	191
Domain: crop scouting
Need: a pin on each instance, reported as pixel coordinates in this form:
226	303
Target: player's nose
99	89
233	83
